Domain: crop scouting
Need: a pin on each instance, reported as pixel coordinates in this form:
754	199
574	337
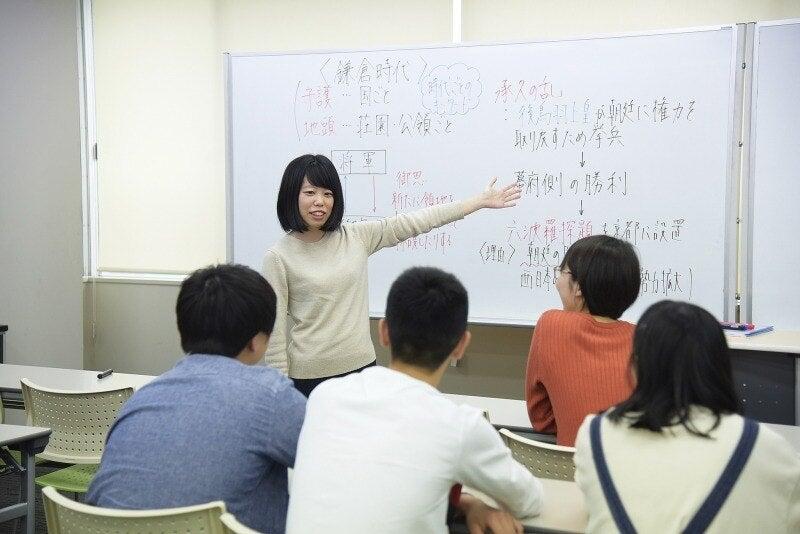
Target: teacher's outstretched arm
390	231
494	198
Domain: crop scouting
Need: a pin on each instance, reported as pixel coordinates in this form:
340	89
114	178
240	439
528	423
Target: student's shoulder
778	448
626	326
259	380
557	320
336	389
582	435
463	414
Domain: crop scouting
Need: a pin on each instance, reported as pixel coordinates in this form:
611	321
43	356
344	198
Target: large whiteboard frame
749	187
734	147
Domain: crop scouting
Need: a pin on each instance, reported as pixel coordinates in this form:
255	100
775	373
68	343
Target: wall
136	333
484	20
136	326
41	258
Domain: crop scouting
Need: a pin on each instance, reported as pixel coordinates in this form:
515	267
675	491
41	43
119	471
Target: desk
65	379
766	371
513	414
507	413
30	440
68	379
3	330
564	510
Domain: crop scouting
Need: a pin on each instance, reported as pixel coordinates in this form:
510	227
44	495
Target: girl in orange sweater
579	358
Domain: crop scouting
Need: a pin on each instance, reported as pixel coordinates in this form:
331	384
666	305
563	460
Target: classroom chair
10	460
544	460
231	525
6	460
65	516
80	421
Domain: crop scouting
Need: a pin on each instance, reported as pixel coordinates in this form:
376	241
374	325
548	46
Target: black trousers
307	385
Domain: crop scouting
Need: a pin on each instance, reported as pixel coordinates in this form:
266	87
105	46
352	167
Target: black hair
320	172
607	271
426	313
222	307
680	358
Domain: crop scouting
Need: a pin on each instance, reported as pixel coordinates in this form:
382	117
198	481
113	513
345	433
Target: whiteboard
626	135
775	176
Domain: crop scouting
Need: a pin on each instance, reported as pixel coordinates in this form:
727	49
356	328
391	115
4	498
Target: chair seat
75	478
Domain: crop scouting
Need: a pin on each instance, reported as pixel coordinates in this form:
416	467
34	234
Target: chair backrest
544	460
80	420
231	525
65	516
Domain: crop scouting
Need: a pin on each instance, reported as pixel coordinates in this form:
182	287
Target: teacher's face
316	204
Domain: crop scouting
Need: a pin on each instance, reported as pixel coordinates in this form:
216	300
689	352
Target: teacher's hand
494	198
501	198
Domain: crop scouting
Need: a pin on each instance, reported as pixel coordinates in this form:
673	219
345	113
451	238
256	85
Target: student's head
426	318
599	274
225	310
310	196
680	359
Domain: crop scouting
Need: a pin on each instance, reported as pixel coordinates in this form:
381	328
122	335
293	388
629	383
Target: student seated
380	449
216	426
660	455
578	362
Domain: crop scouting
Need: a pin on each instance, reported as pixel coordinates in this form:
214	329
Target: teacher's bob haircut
320	173
222	307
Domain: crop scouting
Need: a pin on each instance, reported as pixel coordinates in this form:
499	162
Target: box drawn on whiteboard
349	162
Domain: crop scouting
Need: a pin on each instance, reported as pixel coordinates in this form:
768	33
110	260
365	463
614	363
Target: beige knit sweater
322	323
662	479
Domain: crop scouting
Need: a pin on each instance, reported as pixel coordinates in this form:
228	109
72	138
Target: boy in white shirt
380	449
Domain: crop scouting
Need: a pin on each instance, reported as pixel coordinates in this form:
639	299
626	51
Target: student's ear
383	333
576	290
253	344
253	352
461	346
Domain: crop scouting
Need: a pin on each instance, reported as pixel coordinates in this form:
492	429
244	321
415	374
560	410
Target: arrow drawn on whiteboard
373	195
322	72
580	211
583	161
294	109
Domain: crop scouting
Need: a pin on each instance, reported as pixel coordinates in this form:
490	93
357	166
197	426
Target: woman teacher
319	269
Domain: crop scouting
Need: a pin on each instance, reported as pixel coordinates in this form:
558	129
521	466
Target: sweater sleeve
540	409
486	464
275	273
392	230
